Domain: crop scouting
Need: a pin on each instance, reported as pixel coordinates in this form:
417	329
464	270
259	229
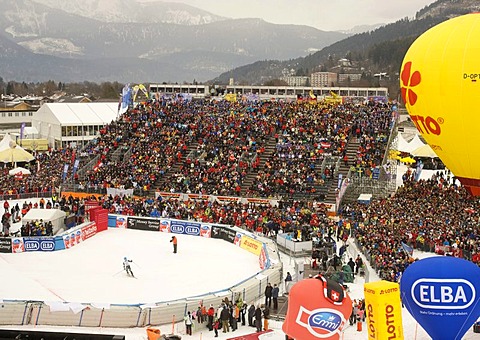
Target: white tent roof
405	146
5	143
44	214
416	142
424	151
402	144
83	113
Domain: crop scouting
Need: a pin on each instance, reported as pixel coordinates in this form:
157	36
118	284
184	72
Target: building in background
296	80
14	113
321	79
346	78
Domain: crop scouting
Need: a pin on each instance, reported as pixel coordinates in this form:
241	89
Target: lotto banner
251	245
383	310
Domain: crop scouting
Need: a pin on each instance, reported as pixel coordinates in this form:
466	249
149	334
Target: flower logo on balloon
409	80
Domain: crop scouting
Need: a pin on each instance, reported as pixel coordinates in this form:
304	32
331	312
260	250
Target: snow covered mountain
131	11
125	40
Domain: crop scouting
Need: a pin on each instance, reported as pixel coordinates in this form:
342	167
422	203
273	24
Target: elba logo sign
441	293
39	244
179	227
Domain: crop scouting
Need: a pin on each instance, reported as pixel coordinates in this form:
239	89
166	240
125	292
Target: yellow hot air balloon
440	84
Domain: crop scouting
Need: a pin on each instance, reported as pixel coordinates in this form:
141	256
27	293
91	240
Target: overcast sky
326	15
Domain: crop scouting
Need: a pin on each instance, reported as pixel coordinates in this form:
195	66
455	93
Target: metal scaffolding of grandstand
382	186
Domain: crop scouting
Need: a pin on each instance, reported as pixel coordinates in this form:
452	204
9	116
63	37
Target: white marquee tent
65	123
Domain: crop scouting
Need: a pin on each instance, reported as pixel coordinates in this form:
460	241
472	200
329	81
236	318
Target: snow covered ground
86	272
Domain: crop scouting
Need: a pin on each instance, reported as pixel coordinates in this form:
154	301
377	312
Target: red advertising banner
100	216
89	230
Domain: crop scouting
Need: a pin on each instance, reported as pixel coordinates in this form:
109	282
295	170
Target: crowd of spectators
143	144
227	140
71	206
288	216
45	174
435	215
37	228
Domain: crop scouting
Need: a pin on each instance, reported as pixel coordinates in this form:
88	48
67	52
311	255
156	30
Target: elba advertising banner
442	294
184	227
383	310
225	234
39	243
5	245
140	223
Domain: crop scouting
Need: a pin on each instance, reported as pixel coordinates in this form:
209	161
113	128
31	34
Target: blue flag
406	248
65	170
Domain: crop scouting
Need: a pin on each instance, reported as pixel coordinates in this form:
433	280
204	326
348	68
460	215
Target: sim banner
383	310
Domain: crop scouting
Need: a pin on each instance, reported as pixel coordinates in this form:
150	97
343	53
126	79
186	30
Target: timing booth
56	216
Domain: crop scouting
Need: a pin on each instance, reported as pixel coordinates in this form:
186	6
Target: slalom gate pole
101	317
173	324
38	315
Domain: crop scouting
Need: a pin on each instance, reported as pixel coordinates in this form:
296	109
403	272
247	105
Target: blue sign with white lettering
442	294
39	243
184	227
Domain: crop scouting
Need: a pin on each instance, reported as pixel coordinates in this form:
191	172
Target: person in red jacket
210	314
174	241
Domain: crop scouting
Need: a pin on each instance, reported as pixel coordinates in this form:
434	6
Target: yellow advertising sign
251	245
34	144
231	97
383	310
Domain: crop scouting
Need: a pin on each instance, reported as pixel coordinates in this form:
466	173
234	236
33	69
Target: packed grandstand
266	151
